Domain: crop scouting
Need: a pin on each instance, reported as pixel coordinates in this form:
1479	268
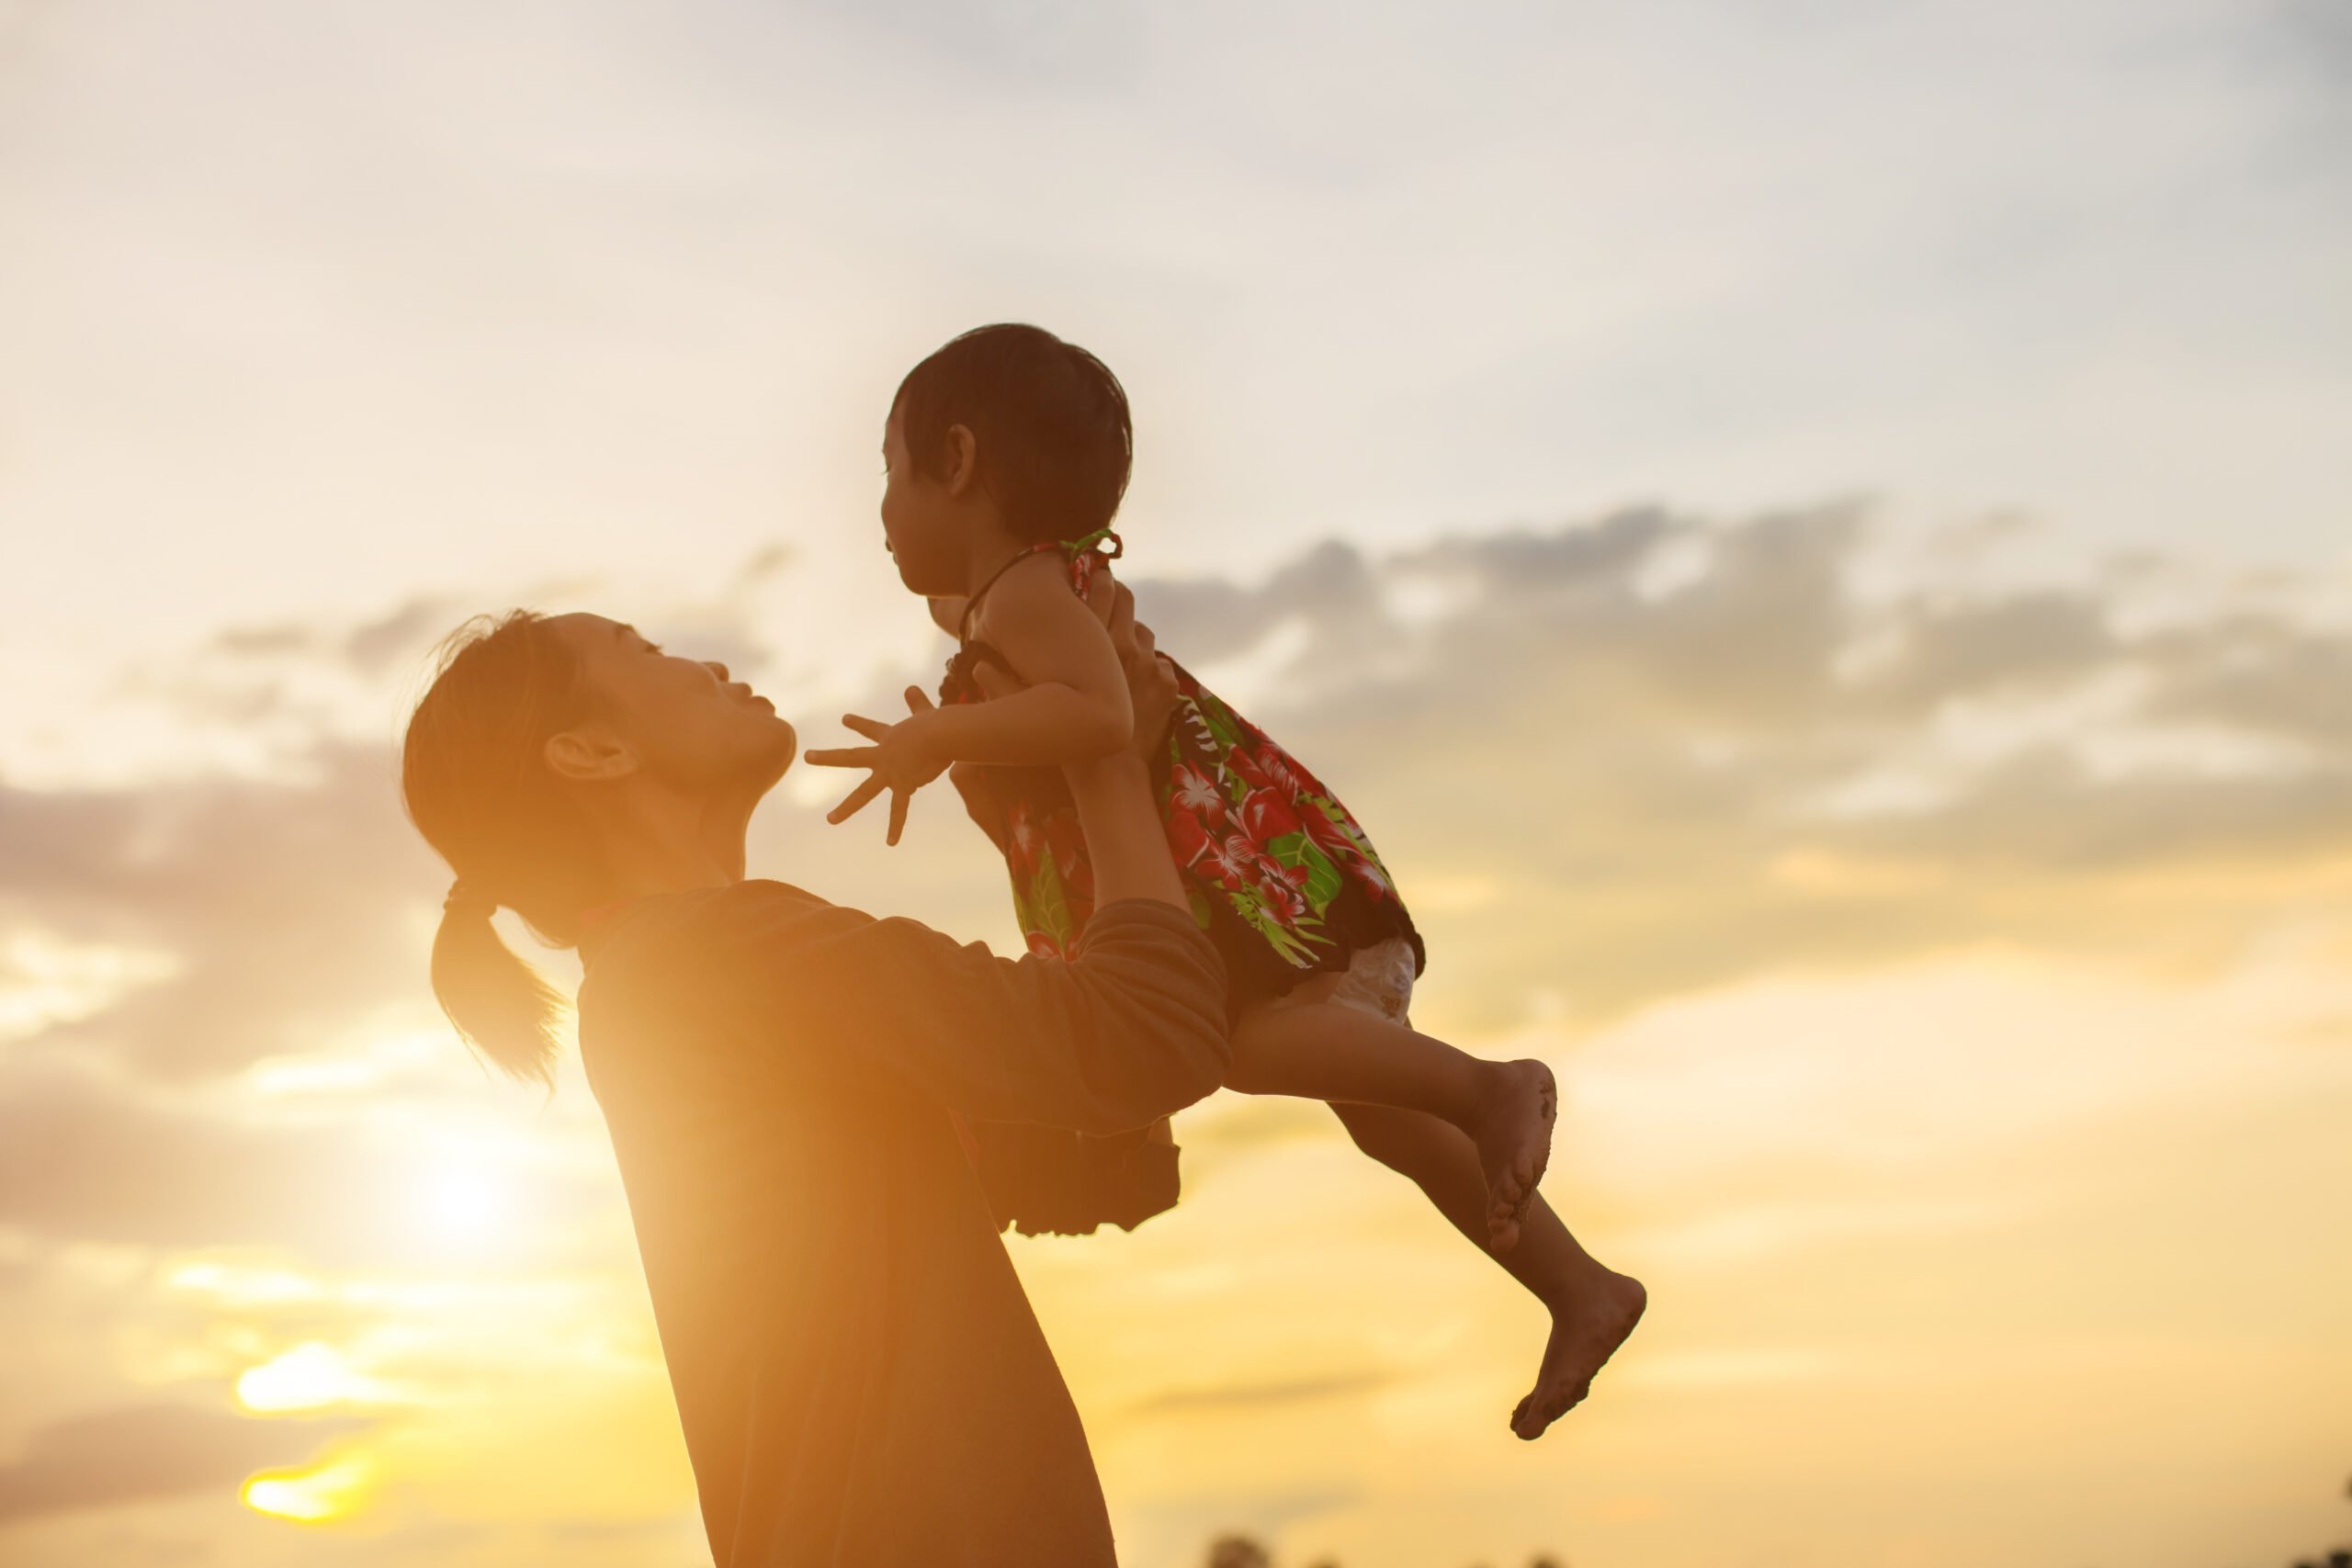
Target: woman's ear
963	459
589	754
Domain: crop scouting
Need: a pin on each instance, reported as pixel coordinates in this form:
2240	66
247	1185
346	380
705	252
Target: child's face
924	521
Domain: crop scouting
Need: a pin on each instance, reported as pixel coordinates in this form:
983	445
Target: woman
859	1377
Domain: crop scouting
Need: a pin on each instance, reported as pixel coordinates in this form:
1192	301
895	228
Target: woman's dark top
860	1378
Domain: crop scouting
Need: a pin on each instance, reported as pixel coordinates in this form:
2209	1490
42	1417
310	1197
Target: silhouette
859	1376
1007	453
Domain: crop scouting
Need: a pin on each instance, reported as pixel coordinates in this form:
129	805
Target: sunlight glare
308	1377
332	1491
467	1203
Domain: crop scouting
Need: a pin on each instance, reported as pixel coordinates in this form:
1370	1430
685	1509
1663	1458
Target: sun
465	1204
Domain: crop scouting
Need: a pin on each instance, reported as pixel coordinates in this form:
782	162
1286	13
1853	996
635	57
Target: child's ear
963	459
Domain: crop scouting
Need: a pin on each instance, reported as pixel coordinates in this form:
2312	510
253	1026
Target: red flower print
1368	872
1248	769
1278	893
1235	861
1287	774
1327	835
1022	838
1044	946
1190	788
1266	816
1187	839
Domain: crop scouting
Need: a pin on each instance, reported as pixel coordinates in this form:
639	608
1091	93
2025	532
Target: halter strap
1072	548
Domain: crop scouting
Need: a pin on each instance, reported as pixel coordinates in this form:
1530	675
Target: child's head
1006	425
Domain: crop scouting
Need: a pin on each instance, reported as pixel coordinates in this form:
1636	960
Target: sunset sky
1816	536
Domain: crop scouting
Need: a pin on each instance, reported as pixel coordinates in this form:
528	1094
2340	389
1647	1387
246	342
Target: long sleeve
1132	1030
1048	1180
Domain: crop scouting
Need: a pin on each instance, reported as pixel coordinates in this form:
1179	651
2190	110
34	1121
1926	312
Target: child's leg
1593	1308
1307	1045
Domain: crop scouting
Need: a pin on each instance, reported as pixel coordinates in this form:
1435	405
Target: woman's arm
1113	1039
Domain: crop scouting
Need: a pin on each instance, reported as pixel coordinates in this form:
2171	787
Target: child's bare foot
1585	1333
1514	1138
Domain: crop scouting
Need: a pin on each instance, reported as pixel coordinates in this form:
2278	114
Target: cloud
82	1159
290	908
1611	763
1231	1398
149	1451
1674	750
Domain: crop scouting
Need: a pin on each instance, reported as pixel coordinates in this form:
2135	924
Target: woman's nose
716	668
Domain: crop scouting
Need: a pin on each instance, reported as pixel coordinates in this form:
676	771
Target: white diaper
1379	980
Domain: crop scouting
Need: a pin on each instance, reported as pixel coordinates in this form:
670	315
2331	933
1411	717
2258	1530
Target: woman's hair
474	777
1055	443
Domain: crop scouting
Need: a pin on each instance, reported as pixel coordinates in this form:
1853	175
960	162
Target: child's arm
1077	708
1074	707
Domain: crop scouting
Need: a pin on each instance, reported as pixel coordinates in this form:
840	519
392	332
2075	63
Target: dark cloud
149	1451
82	1158
266	641
87	1157
405	633
1226	1398
291	907
764	564
1626	758
1604	760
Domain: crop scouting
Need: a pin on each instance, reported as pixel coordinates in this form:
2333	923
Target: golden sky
1921	842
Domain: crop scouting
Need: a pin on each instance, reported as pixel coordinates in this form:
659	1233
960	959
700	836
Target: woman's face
680	720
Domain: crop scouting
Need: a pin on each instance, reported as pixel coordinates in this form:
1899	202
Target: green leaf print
1225	730
1323	878
1047	906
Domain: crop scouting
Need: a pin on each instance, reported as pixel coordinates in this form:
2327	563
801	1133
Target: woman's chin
785	745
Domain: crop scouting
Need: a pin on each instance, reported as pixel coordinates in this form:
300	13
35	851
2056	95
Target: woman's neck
660	842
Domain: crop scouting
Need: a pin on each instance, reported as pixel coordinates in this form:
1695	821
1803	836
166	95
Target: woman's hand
1151	677
902	759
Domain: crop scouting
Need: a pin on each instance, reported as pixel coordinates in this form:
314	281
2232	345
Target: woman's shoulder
658	923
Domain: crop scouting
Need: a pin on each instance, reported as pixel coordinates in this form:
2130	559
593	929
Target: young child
1007	453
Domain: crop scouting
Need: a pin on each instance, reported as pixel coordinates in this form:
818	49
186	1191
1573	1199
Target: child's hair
1050	421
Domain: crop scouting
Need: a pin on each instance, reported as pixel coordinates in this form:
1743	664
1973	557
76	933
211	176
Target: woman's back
860	1378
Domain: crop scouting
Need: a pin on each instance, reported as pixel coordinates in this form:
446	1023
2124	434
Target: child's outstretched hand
902	760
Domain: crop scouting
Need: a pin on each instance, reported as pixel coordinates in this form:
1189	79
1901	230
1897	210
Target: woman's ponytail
501	1006
475	781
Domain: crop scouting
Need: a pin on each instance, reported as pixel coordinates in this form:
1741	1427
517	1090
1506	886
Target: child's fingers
872	728
918	700
855	801
898	798
843	756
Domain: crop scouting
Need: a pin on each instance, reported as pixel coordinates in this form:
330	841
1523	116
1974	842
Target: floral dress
1279	874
